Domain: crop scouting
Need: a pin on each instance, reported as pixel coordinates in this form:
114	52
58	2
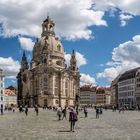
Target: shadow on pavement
64	131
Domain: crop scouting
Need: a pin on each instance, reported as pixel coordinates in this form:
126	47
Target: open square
110	126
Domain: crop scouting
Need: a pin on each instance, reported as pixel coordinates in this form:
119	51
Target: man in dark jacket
72	119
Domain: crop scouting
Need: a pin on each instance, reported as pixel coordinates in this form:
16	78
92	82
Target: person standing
72	119
85	111
1	109
26	110
59	113
97	112
36	110
64	111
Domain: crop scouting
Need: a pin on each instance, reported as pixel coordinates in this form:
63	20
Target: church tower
24	63
73	62
48	27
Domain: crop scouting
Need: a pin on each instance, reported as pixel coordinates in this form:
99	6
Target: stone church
48	81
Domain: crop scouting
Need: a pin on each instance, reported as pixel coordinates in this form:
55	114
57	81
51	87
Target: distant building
87	95
14	89
91	95
126	88
2	100
10	98
114	91
100	96
107	95
137	88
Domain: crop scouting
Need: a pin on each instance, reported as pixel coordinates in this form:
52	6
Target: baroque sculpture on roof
48	81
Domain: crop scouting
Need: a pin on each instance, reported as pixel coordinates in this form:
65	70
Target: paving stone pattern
110	126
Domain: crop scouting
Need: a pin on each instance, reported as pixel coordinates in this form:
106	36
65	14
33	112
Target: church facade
48	81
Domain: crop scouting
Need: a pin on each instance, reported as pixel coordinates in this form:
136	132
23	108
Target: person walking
36	110
97	112
85	111
64	112
1	109
20	109
59	113
26	110
72	119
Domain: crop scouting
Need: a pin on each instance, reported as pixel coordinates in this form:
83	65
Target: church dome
48	39
53	44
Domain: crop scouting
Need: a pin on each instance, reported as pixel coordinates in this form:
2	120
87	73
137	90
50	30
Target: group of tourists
62	113
25	109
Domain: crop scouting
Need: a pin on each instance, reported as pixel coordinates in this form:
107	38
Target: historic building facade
126	87
87	95
48	81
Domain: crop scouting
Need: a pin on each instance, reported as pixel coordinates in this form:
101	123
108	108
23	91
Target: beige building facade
48	81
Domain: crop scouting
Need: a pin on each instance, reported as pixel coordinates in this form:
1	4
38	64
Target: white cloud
126	6
26	43
87	79
10	66
108	73
124	57
73	18
81	60
124	18
129	7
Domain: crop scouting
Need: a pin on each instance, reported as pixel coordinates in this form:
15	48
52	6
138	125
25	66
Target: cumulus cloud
109	73
124	19
10	67
129	8
26	43
126	6
81	60
124	57
87	79
73	18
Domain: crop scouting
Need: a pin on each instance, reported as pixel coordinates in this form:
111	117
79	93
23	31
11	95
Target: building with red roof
10	98
93	95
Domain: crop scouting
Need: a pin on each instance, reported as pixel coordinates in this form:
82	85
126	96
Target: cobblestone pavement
110	126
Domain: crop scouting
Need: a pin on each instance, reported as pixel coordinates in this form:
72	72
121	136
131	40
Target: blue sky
105	37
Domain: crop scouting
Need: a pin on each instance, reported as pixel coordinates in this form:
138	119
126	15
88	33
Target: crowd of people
70	113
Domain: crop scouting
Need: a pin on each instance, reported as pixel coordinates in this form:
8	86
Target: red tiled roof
87	88
9	92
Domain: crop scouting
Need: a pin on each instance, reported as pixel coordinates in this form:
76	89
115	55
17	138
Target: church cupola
48	27
24	63
73	62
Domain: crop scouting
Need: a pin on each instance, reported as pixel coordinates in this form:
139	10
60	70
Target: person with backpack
72	119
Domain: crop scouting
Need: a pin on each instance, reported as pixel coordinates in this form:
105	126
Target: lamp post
60	74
